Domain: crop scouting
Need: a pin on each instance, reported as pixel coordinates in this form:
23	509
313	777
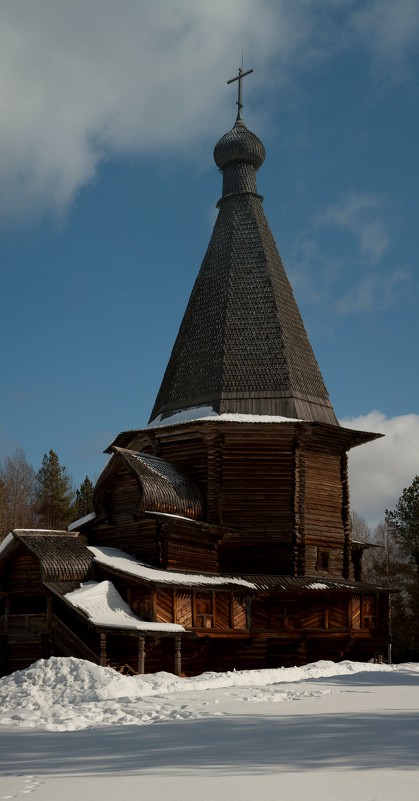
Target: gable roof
165	488
242	346
62	556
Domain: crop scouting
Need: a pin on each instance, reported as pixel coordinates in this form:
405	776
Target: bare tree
385	561
17	484
361	531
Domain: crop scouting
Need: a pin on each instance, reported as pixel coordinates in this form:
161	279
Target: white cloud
389	31
374	290
81	82
365	278
380	470
366	216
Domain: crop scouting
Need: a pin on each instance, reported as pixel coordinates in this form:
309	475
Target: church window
323	560
284	615
204	613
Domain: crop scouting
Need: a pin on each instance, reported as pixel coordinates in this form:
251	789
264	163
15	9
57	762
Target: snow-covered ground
348	732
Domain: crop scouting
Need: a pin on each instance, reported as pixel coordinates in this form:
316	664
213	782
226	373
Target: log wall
139	537
324	528
258	484
187	452
23	576
199	609
190	556
284	488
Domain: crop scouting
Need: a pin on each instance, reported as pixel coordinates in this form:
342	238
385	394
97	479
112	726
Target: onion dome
239	145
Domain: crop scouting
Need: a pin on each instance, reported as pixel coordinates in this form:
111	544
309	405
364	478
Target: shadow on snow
221	745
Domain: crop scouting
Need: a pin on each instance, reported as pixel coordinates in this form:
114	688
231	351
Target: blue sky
109	112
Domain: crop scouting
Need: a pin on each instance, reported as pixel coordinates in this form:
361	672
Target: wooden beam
178	655
193	609
153	605
248	612
174	605
103	655
141	655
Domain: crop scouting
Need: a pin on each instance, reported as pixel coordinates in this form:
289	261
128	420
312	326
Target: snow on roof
172	516
195	413
364	544
318	585
113	557
256	418
80	522
104	606
6	542
41	532
200	413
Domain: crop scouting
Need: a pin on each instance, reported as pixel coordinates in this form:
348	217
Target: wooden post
153	605
326	611
248	611
178	655
49	615
213	608
141	655
193	608
174	605
103	658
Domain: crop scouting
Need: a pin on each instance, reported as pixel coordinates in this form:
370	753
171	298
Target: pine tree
54	494
403	523
83	504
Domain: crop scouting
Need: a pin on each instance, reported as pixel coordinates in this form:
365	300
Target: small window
368	612
284	615
204	617
323	560
142	608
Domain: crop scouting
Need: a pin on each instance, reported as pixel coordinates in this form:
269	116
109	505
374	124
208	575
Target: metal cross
239	78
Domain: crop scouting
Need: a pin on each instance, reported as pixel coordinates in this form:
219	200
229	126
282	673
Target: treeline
393	562
40	499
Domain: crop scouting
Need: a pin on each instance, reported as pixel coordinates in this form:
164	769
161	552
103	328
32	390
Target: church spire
242	346
239	153
239	101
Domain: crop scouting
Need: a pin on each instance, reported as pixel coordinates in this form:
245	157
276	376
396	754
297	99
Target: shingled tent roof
242	346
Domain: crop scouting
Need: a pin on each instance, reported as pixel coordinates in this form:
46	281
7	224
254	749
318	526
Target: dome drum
239	178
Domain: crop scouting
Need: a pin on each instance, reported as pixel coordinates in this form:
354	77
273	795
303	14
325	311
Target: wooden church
221	536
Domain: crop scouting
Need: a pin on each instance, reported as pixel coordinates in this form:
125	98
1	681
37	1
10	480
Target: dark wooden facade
266	621
237	520
277	493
